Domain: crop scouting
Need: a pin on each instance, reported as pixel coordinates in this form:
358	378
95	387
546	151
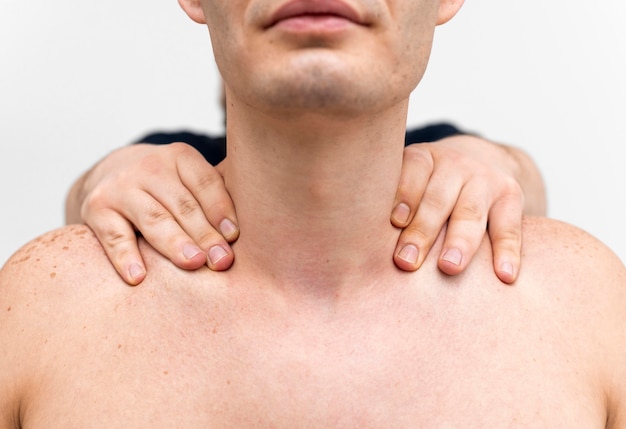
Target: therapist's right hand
168	193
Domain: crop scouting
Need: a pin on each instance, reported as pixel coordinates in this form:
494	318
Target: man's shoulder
555	244
579	277
39	288
568	263
58	255
64	277
54	274
574	272
579	285
60	298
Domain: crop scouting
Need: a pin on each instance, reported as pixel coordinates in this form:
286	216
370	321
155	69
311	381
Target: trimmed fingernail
507	267
409	253
191	250
136	271
227	228
401	213
216	253
454	256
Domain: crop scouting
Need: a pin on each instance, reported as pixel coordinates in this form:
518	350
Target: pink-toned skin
324	16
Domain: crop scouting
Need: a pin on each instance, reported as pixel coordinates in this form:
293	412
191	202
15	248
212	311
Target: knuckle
512	187
508	238
434	202
208	238
209	179
156	213
511	200
97	199
419	234
471	211
414	154
115	241
159	160
180	148
96	207
187	205
510	234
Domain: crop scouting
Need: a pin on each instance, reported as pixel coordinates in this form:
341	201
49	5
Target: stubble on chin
317	88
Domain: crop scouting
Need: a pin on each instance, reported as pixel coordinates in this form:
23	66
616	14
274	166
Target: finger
207	186
505	232
162	231
176	203
119	242
417	167
182	208
169	216
434	210
466	230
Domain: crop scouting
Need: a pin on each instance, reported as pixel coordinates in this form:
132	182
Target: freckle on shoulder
562	241
59	243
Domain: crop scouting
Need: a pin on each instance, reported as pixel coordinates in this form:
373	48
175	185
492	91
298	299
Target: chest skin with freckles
420	350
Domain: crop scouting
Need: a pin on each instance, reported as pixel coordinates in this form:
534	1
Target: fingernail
507	267
190	250
227	228
409	253
454	256
216	253
135	271
401	213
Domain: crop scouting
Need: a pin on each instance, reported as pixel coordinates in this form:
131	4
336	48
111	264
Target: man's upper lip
295	8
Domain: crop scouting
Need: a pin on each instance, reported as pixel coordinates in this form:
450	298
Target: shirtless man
313	326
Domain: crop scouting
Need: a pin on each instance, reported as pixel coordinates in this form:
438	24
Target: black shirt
214	148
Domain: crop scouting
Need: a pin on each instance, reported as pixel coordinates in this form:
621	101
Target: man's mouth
315	11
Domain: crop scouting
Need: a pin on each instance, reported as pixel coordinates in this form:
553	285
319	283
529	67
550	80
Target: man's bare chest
241	370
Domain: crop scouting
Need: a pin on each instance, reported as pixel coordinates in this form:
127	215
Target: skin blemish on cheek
9	309
53	275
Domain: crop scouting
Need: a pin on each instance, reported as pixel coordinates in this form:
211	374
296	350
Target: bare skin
178	202
210	350
313	326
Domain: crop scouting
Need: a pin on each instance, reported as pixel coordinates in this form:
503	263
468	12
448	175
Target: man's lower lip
314	23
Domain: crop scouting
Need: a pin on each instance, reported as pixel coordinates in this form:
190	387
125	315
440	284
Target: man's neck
314	195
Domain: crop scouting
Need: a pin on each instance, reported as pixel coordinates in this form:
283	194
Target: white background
78	79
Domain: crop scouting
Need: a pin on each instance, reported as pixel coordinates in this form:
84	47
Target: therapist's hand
178	202
170	194
477	187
